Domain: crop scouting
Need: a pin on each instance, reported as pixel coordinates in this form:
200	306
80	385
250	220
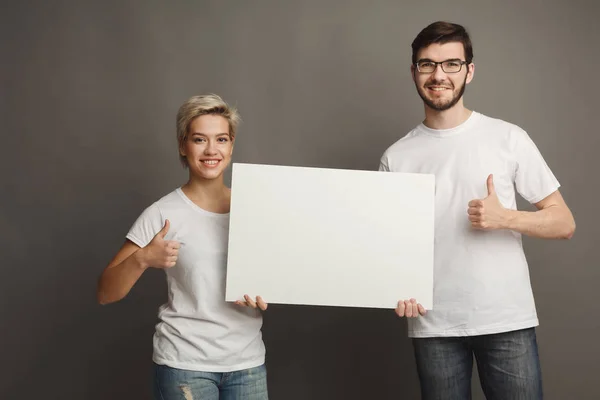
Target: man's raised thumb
490	185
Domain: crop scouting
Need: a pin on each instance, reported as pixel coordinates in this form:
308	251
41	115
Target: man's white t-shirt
481	278
198	329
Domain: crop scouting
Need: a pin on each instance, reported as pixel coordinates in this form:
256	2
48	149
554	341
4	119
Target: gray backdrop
89	92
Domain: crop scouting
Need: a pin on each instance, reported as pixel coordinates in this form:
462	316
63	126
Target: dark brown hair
442	32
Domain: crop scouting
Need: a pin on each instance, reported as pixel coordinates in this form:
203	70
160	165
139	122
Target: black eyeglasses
448	66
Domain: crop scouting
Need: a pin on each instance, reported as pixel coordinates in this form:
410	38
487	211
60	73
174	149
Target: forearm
116	281
550	223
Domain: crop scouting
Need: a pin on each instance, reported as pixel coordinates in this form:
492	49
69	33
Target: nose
210	148
438	74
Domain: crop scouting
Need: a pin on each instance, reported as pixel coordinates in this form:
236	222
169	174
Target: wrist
510	219
141	259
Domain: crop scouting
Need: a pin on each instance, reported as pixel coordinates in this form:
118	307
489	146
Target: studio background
88	97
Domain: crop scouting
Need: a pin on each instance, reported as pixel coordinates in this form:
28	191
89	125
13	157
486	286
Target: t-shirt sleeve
533	178
383	164
148	224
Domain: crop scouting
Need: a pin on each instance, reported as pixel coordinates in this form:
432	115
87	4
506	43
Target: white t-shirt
198	329
481	278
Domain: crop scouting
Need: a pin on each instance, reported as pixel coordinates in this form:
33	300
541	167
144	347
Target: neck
446	119
209	194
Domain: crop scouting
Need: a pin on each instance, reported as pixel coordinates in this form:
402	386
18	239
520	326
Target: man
483	302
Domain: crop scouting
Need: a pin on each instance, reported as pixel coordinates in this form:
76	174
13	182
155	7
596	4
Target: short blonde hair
208	104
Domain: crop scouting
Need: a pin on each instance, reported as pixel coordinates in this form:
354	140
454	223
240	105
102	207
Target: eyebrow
204	134
429	59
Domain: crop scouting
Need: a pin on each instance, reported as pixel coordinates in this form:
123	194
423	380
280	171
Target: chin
207	175
211	176
443	106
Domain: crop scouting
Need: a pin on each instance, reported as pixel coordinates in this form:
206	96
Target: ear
232	144
412	71
470	73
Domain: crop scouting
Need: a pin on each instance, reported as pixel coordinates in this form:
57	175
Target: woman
204	347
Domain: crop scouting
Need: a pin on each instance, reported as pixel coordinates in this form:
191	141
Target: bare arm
552	220
121	273
131	261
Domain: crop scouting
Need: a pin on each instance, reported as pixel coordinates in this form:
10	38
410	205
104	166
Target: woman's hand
251	303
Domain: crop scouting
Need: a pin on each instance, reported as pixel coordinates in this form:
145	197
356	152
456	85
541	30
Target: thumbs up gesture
161	253
488	213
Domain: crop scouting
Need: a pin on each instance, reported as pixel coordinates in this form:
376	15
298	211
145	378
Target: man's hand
251	303
488	213
161	253
410	309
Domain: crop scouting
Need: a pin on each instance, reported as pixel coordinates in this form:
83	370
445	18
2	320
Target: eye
223	140
426	64
452	64
198	140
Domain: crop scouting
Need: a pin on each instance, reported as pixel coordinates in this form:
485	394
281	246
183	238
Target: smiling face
439	90
207	147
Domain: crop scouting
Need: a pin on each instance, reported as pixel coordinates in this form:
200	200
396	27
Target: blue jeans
179	384
508	366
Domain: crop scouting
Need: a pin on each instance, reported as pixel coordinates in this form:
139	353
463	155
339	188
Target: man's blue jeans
179	384
508	366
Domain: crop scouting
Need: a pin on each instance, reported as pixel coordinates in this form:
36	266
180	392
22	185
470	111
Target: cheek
228	150
193	150
420	81
188	148
457	83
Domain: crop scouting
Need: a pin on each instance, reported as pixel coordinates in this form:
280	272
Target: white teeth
437	89
210	162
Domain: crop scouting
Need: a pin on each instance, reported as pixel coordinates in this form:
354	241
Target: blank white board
331	237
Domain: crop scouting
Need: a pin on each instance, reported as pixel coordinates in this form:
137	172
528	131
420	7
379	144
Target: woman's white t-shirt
198	329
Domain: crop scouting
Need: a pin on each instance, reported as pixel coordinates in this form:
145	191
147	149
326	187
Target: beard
439	104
